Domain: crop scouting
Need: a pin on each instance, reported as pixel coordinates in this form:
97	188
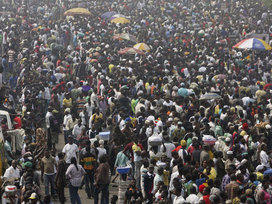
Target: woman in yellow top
67	102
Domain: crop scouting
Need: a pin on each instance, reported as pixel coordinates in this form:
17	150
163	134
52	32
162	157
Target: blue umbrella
183	92
108	14
268	172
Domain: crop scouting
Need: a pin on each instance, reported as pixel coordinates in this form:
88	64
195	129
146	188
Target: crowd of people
189	116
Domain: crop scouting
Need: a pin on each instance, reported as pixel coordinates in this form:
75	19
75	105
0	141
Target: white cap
229	152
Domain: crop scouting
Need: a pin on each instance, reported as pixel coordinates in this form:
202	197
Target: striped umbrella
253	43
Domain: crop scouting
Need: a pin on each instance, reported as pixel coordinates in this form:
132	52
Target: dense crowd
184	119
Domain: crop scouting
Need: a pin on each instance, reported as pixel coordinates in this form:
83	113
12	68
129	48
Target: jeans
137	174
74	197
104	188
89	180
61	195
49	180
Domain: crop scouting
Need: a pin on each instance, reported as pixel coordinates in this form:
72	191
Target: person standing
70	150
48	164
88	161
60	177
148	180
11	58
54	128
66	129
74	173
102	181
47	122
78	129
12	173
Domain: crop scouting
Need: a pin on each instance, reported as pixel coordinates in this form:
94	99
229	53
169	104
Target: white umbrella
210	96
202	69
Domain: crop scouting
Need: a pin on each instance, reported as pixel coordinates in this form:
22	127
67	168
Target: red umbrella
130	51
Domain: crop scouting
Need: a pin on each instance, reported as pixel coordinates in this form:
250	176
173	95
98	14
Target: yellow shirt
212	174
67	102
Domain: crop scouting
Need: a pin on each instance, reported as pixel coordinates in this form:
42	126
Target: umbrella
253	43
201	33
130	51
183	92
108	14
125	36
121	20
210	96
202	69
142	46
208	139
77	11
117	16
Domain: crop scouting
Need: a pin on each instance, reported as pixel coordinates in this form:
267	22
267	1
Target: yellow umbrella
121	20
142	46
77	11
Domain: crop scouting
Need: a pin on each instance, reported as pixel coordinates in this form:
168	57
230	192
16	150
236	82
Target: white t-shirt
12	173
70	151
192	199
101	151
264	159
169	147
178	200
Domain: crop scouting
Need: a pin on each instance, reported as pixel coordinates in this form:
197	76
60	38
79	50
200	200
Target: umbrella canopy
117	16
183	92
210	96
125	36
108	14
253	43
142	46
121	20
130	51
77	11
202	69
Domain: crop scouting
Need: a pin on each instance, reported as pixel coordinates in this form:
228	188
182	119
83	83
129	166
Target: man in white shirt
167	147
178	197
264	157
78	129
192	198
70	150
158	177
12	173
66	118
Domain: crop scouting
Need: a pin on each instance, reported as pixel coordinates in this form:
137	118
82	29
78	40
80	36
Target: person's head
151	168
264	147
70	139
14	164
175	154
61	155
47	153
160	171
73	161
177	190
114	199
133	183
103	159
